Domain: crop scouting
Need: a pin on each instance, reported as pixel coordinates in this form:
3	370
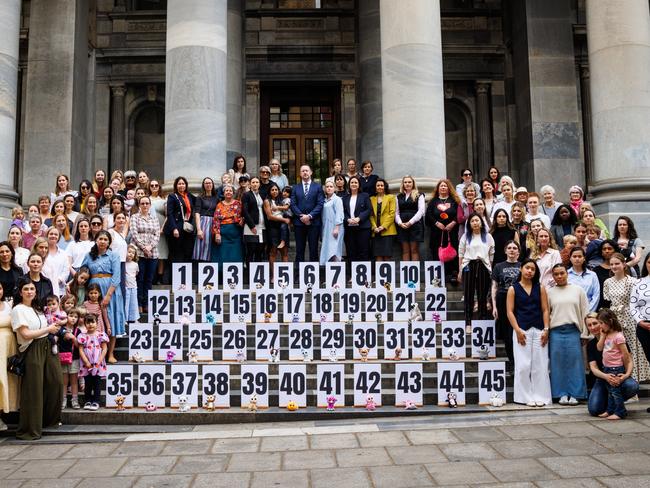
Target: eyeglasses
265	172
154	185
95	223
85	188
467	174
145	203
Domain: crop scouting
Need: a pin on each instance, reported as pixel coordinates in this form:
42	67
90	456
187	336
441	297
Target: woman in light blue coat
332	226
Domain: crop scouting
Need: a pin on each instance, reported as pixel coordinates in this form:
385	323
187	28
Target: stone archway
458	139
147	139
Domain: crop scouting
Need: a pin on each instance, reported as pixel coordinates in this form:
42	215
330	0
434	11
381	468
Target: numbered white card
233	276
181	276
451	381
266	305
301	341
212	306
491	381
322	306
216	382
484	339
435	304
335	275
233	341
367	384
267	337
119	382
453	340
151	384
184	385
434	273
259	276
241	306
396	336
409	384
361	274
208	278
350	305
282	275
308	275
159	306
184	306
423	340
330	379
364	337
403	301
141	341
200	340
385	273
293	306
376	304
255	381
292	384
332	341
409	274
170	342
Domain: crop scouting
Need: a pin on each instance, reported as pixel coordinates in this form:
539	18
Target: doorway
297	149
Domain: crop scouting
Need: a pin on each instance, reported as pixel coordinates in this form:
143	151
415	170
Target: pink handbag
446	254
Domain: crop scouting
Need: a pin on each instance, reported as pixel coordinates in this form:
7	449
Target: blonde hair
536	251
414	192
16	210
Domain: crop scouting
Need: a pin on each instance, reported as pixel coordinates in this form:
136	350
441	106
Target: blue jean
597	403
284	233
146	271
615	400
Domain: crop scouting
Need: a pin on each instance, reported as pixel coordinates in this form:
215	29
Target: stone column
195	97
349	120
117	127
252	123
412	90
618	33
235	86
9	31
483	127
585	98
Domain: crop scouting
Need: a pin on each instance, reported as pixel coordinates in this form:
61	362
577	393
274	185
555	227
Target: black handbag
16	363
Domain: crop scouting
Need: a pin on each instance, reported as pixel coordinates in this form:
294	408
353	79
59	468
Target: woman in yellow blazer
382	221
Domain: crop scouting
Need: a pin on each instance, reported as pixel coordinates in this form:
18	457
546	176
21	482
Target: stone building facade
550	91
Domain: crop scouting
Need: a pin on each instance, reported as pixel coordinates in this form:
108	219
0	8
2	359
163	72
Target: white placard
309	274
216	381
241	306
259	276
301	338
282	275
365	336
151	384
233	340
185	383
409	383
491	381
403	300
119	381
434	270
453	340
361	274
266	305
350	305
484	334
332	337
385	273
292	384
255	380
396	334
208	278
330	380
293	306
184	305
423	338
200	339
267	337
160	304
141	340
435	303
367	383
233	276
322	306
212	304
170	342
335	275
451	378
376	302
409	274
181	276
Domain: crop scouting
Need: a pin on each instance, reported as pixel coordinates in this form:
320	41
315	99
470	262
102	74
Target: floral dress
618	293
92	345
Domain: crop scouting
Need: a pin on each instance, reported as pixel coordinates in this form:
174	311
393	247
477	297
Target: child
615	357
18	218
69	358
131	298
55	316
92	352
68	302
129	201
93	305
570	241
593	247
285	208
77	286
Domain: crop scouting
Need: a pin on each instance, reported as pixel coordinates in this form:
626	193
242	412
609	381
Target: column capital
118	90
252	88
483	87
348	86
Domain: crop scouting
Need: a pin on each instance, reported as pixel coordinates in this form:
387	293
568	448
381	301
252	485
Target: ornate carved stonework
300	24
463	23
147	26
253	88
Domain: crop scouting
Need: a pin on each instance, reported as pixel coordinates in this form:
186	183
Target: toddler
69	358
131	298
93	305
55	316
285	208
18	218
68	302
92	352
570	241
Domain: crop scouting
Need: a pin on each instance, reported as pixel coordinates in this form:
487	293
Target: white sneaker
531	404
540	404
64	403
88	406
573	401
564	400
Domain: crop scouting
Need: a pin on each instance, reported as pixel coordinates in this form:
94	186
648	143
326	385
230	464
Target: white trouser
532	381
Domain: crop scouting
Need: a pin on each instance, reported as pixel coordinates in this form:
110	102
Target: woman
588	217
9	271
41	387
145	235
206	203
549	205
9	383
352	169
254	228
507	202
475	255
143	180
57	209
580	232
238	169
105	201
116	205
244	186
576	198
603	271
479	208
639	308
528	314
14	237
562	224
120	238
618	290
494	175
356	211
57	266
69	204
159	209
179	228
332	233
568	307
117	175
139	193
62	224
42	284
90	206
340	185
531	238
62	188
443	215
502	232
505	275
337	169
409	213
467	206
382	221
466	179
489	197
81	244
277	176
368	179
629	243
546	256
99	182
518	214
277	226
96	224
584	278
227	229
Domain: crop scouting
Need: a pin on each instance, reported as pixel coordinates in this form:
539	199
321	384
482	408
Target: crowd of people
77	265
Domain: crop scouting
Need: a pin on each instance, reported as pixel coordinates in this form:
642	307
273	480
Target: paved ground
545	448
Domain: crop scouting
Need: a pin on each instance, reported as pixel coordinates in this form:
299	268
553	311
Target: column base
425	185
8	200
630	197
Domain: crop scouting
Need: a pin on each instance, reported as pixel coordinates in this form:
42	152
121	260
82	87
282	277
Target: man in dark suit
306	205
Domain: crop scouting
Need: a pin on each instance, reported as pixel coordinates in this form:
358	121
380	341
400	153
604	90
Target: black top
9	279
264	189
43	289
250	212
176	211
68	346
602	275
501	235
440	210
205	206
369	184
506	275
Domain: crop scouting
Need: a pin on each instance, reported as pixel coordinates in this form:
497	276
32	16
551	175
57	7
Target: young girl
69	358
55	316
131	298
68	302
615	356
93	306
77	286
92	351
18	218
